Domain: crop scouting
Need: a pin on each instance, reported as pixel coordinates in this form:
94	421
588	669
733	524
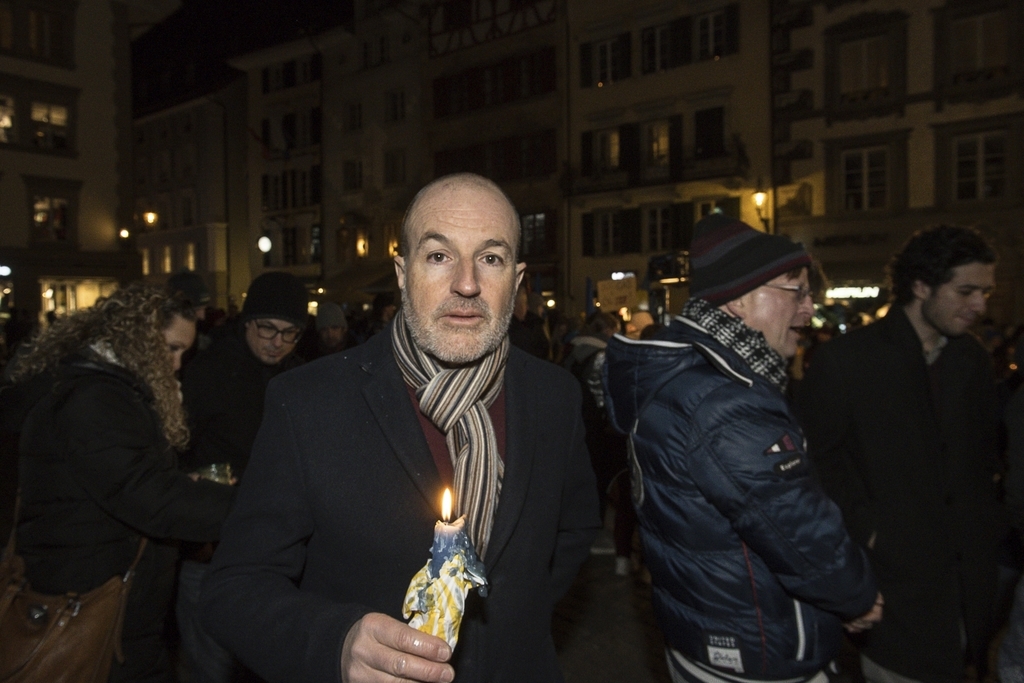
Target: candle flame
446	505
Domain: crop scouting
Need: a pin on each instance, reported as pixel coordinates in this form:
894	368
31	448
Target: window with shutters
865	65
979	161
611	232
53	207
513	79
866	174
689	39
538	233
979	165
37	116
658	220
605	61
976	48
656	149
515	157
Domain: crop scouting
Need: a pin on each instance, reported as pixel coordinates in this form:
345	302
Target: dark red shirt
438	445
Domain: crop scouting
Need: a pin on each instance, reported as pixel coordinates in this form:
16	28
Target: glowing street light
150	217
264	244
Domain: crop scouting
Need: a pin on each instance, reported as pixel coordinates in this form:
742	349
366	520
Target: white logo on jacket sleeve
725	658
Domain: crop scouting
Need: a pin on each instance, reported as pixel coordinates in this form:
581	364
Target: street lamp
264	244
150	217
124	234
760	203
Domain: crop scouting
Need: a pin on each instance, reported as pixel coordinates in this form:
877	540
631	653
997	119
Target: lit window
145	260
190	256
50	218
167	262
980	166
6	119
865	179
50	126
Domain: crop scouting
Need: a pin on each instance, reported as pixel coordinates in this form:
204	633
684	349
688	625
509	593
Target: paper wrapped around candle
436	599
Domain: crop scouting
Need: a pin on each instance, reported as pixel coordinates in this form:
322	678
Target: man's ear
400	271
921	290
520	270
737	308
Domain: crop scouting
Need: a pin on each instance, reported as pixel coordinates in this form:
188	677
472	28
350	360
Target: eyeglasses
268	332
801	291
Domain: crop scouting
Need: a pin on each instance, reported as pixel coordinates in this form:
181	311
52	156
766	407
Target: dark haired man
752	570
337	510
901	422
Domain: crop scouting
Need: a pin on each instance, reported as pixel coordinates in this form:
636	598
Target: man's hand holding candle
379	648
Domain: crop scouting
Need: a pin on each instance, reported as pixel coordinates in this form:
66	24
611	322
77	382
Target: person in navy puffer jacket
754	575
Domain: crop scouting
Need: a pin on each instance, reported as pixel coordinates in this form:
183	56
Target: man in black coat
223	390
900	418
337	510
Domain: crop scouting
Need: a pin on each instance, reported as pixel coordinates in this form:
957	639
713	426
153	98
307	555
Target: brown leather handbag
59	638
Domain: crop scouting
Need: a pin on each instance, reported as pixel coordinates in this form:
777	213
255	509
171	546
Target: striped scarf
456	401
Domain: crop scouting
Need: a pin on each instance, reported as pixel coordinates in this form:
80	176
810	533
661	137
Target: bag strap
126	586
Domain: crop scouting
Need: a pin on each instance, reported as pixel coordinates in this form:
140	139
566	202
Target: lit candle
448	538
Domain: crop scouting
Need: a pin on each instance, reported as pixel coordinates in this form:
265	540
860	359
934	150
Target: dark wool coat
223	389
916	470
96	474
337	511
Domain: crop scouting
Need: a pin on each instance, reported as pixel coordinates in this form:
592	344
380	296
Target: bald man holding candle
338	507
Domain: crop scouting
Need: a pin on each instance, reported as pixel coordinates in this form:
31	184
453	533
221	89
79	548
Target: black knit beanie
277	295
728	258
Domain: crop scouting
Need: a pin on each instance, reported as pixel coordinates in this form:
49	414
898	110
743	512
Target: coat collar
520	445
387	397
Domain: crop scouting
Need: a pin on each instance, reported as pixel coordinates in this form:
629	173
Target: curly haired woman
97	464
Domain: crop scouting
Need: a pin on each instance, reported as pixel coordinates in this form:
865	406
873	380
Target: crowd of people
287	469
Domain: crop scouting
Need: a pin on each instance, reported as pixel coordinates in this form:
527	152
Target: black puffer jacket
751	568
96	474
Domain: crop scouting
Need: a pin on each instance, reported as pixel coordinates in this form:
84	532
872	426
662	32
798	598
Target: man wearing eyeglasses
223	390
901	424
754	575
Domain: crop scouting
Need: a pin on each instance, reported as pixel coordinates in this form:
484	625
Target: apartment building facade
190	203
65	151
668	104
893	116
376	152
495	85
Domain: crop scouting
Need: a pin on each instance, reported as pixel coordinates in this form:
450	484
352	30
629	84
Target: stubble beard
457	347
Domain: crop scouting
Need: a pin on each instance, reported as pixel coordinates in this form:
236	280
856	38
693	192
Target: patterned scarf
747	342
456	401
